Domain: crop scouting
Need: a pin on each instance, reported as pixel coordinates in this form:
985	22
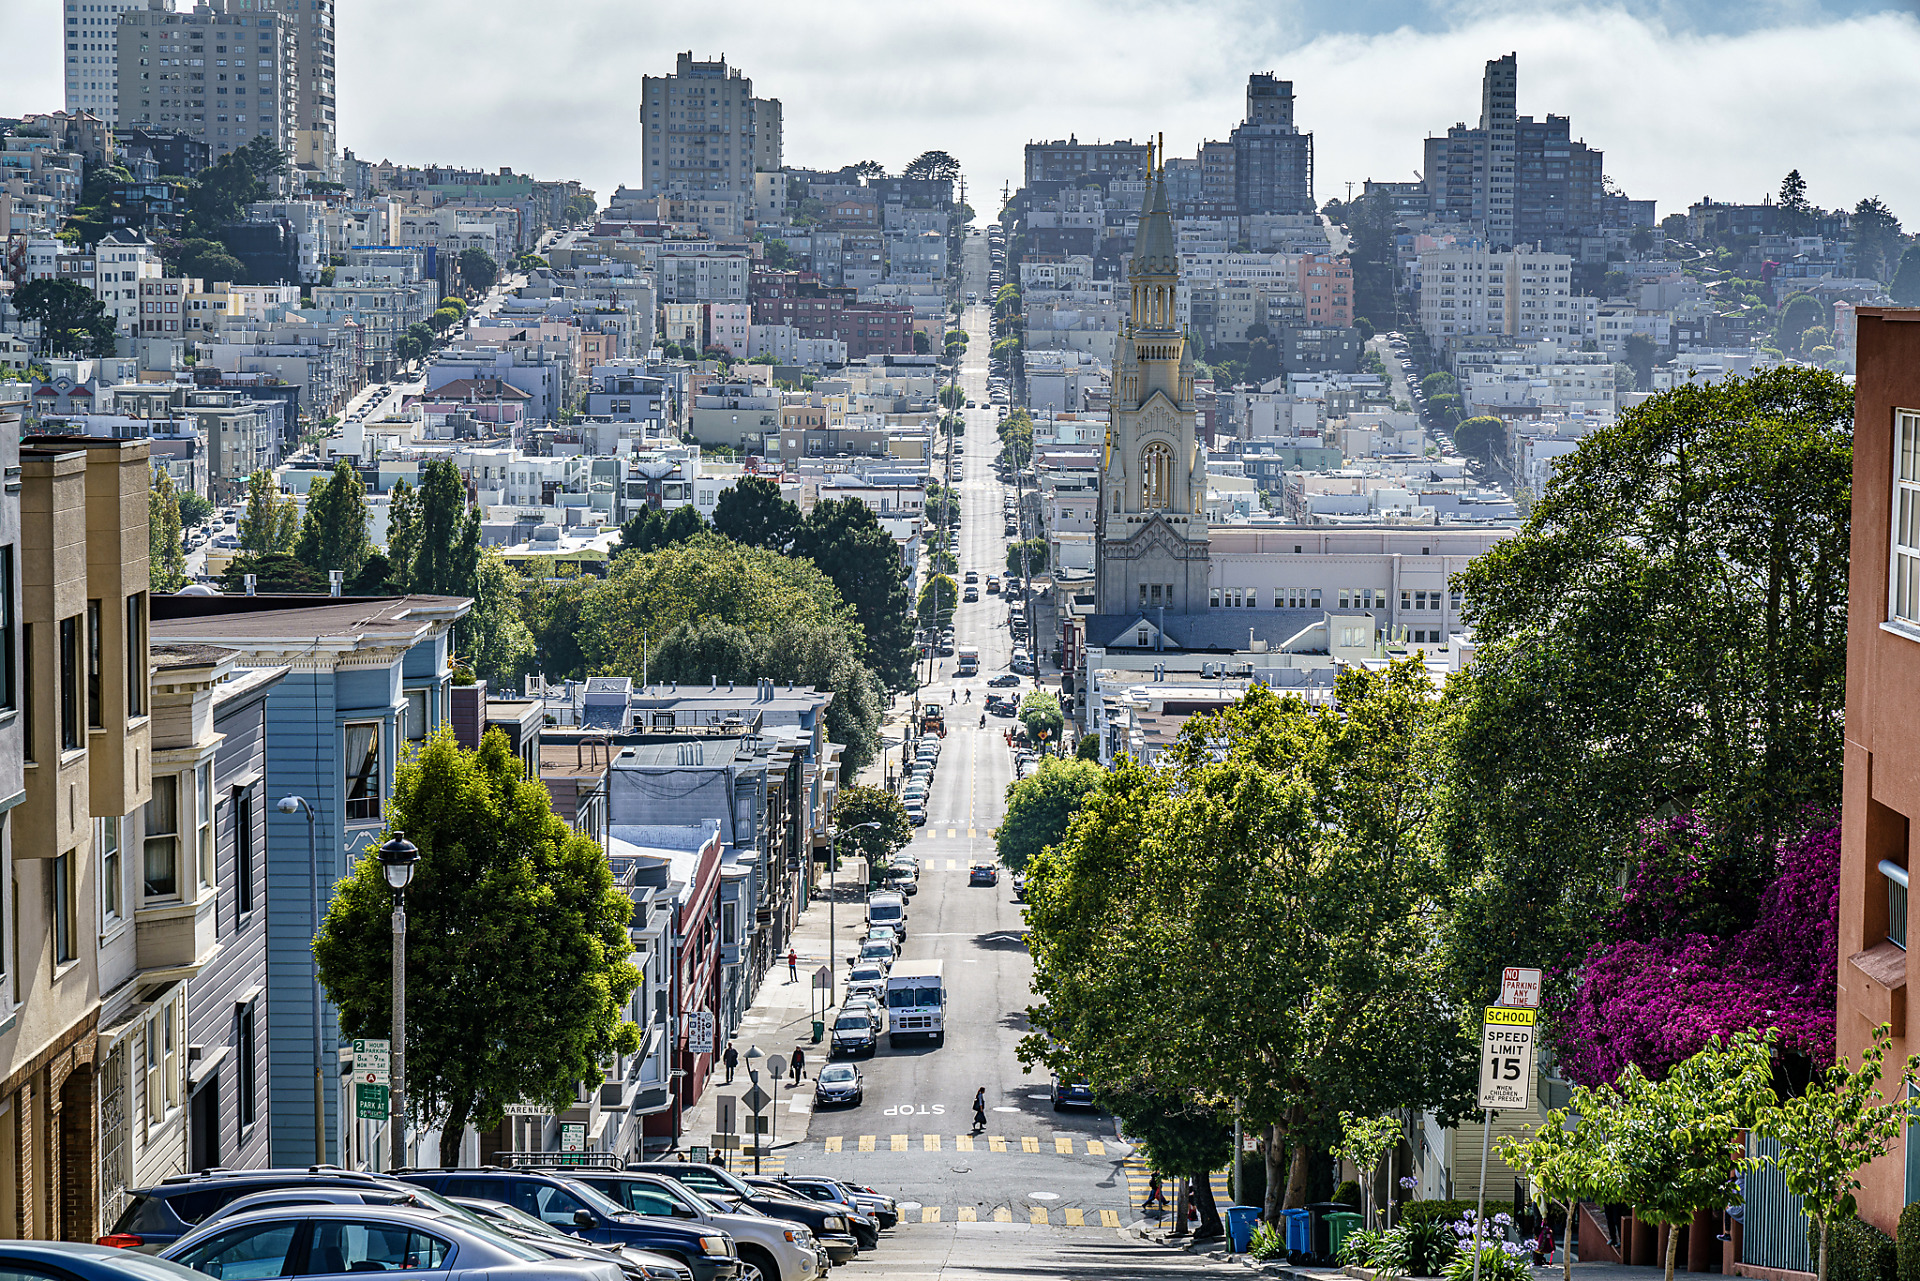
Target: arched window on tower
1156	476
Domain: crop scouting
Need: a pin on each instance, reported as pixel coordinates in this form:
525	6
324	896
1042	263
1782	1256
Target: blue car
1072	1094
78	1261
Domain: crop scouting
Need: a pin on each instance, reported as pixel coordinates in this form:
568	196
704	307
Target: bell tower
1150	549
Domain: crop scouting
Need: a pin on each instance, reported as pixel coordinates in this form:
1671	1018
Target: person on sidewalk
732	1059
799	1065
980	1109
1156	1194
793	966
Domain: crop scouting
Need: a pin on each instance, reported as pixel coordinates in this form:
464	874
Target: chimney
335	577
252	580
713	680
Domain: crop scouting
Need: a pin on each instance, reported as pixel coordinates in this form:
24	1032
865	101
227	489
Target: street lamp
397	859
294	805
833	897
753	1074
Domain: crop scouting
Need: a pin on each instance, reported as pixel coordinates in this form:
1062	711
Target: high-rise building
92	44
1557	181
223	73
1497	92
701	129
1150	546
1272	160
315	146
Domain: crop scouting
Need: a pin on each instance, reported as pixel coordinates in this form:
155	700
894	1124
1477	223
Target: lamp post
833	897
295	805
397	859
753	1074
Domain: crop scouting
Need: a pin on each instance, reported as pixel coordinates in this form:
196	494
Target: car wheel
757	1265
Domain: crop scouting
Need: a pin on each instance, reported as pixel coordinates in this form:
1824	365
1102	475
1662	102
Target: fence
1774	1226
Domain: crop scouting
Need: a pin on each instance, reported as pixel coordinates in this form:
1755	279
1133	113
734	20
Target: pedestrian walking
1156	1195
980	1109
799	1065
732	1059
793	966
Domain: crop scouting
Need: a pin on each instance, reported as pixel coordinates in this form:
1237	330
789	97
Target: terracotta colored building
1882	785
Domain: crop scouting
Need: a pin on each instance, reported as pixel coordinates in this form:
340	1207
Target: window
106	839
243	855
70	738
363	773
137	654
8	650
251	1253
1904	600
65	949
1156	476
372	1247
93	664
416	715
161	857
1406	600
203	821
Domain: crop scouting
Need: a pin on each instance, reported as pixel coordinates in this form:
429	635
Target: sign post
372	1078
700	1032
756	1099
1506	1069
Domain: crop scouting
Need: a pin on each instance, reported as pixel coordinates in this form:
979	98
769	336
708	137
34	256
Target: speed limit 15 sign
1506	1057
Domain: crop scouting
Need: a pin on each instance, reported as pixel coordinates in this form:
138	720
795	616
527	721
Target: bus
968	662
916	1002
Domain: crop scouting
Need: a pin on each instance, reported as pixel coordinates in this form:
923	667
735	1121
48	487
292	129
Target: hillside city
1355	729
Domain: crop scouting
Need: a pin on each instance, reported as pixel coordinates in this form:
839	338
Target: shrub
1347	1193
1421	1211
1267	1242
1906	1243
1419	1249
1362	1247
1858	1251
1501	1261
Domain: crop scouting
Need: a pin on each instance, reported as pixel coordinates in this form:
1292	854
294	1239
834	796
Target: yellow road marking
1036	1214
996	1144
1029	1144
953	865
930	1214
969	833
1109	1218
963	1143
951	833
833	1144
899	1143
1003	1215
1096	1148
1063	1147
1075	1218
965	1215
930	1143
866	1143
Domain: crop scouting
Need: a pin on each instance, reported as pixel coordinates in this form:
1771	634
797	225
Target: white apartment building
703	277
1522	294
121	261
92	64
701	129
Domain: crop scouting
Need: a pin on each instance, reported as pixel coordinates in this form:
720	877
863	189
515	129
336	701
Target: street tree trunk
1273	1151
1180	1210
1209	1212
1297	1179
1566	1243
1823	1250
454	1133
1673	1245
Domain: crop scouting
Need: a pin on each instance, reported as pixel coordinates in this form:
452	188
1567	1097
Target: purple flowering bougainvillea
1653	999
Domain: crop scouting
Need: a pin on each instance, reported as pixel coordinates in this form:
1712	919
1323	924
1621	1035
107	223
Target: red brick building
798	298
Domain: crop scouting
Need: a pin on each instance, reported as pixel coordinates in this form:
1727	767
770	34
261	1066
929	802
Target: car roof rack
558	1160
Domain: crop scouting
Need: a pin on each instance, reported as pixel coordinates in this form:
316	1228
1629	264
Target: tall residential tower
701	129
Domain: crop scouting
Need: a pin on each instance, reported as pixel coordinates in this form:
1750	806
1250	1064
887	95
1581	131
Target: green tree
1250	920
269	520
551	607
166	559
653	528
273	572
1483	437
932	164
1905	288
1676	1144
752	512
1363	1141
856	805
334	534
937	602
1827	1133
1796	215
952	396
1040	806
1439	383
403	534
1005	349
1802	312
1041	716
1089	748
443	319
194	508
73	322
494	639
478	269
1641	353
209	260
1668	631
449	534
221	193
1641	241
1565	1162
1876	237
1178	1136
844	540
517	969
1027	557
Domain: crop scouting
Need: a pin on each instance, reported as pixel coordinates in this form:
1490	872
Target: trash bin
1299	1231
1339	1224
819	1030
1240	1226
1320	1246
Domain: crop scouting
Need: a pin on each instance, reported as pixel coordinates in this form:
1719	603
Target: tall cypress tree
334	535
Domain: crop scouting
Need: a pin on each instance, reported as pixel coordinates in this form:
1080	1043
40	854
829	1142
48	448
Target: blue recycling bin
1299	1231
1240	1226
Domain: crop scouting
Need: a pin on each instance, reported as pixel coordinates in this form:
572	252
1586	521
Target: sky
1688	98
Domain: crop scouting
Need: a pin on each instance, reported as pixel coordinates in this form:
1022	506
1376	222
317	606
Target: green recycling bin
1339	1223
819	1030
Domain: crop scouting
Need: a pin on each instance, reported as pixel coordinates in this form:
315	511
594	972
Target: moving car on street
983	874
839	1083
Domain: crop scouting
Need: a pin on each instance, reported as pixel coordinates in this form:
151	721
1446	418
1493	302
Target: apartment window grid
1905	596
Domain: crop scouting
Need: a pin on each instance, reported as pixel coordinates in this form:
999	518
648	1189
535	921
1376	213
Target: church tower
1150	550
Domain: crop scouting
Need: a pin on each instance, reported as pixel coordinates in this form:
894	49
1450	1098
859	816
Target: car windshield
836	1074
853	1023
909	997
866	974
600	1201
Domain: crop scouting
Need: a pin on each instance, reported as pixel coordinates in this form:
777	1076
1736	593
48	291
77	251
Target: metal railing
1773	1228
1896	903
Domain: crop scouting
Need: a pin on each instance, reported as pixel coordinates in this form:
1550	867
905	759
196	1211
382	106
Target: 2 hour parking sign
1506	1057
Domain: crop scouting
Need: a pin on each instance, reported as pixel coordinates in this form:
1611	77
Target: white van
916	1002
887	909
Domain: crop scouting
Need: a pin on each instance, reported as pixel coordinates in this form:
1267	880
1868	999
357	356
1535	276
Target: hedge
1856	1251
1421	1211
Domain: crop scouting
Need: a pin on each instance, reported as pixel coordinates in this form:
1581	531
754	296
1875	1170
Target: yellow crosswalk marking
1029	1144
963	1143
866	1143
1109	1218
1036	1214
965	1215
930	1143
1063	1147
1003	1215
996	1144
833	1144
969	833
951	833
1076	1218
899	1143
930	1214
1096	1148
953	865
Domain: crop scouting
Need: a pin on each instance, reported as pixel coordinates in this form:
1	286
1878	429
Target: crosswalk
1059	1144
1072	1216
1140	1180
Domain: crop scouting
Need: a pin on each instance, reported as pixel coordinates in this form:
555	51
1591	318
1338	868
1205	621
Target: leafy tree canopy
932	164
274	572
856	805
1040	806
752	512
166	560
334	534
73	322
844	540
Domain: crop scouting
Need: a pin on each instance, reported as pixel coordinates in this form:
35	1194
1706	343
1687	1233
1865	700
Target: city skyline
999	81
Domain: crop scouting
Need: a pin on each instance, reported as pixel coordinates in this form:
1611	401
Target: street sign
726	1142
524	1109
823	977
697	1153
370	1102
777	1066
700	1032
1520	986
756	1098
573	1138
725	1113
1506	1057
373	1061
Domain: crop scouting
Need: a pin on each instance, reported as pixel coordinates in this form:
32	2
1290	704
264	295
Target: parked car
839	1083
833	1228
1004	680
158	1216
1072	1093
854	1033
881	954
883	1208
778	1249
866	1228
571	1206
638	1265
324	1239
79	1261
984	874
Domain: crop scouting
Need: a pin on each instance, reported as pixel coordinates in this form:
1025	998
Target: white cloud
554	89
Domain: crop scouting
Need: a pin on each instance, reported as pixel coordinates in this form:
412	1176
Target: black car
1074	1093
1004	679
833	1227
158	1216
573	1207
866	1228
